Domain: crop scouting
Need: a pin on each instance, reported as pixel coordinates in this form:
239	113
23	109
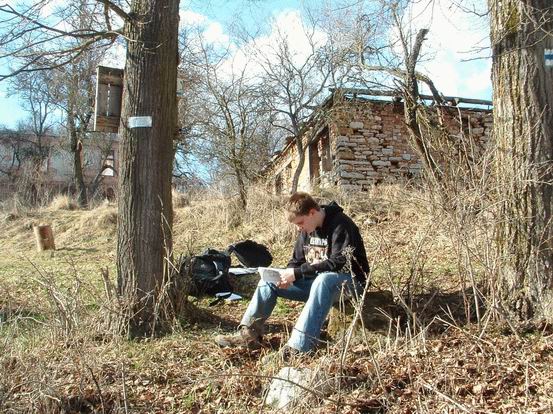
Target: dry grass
63	202
104	216
180	200
56	354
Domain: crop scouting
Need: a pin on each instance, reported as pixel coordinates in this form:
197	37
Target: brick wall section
369	144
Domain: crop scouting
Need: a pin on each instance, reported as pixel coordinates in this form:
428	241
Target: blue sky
450	58
10	110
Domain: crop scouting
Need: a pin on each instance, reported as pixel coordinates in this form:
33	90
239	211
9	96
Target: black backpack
208	273
251	254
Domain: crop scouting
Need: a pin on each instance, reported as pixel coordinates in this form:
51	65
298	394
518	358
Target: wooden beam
394	94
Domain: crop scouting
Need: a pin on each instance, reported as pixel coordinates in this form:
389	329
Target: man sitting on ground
315	275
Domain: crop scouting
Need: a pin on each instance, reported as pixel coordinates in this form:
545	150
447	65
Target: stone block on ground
291	385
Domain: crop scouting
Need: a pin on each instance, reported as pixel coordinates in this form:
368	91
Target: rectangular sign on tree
109	90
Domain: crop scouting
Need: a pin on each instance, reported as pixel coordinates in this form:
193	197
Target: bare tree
150	30
296	82
67	86
14	151
75	96
66	93
32	90
233	126
24	159
185	170
377	64
29	143
522	74
101	145
73	89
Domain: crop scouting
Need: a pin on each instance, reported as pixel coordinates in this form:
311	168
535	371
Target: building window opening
314	161
109	165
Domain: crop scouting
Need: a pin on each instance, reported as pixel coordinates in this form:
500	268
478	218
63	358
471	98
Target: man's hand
286	278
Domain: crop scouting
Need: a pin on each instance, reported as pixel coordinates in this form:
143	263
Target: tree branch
116	9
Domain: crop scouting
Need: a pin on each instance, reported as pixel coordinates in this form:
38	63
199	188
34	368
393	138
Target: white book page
270	274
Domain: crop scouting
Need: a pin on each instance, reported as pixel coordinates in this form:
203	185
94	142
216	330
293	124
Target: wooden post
44	237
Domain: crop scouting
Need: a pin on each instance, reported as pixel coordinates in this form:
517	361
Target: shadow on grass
459	307
10	315
434	310
78	249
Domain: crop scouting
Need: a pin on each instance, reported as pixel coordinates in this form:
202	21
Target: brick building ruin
55	174
363	141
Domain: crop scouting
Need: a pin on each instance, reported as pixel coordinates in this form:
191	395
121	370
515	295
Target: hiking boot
246	337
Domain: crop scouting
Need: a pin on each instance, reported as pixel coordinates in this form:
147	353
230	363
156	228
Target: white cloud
115	56
286	25
190	18
457	42
480	82
212	31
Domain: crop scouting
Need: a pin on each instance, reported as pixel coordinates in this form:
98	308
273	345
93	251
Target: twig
124	388
97	388
446	397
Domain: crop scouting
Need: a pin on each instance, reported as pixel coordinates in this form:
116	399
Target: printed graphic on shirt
315	251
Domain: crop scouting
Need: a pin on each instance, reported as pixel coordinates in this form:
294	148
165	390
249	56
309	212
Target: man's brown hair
300	204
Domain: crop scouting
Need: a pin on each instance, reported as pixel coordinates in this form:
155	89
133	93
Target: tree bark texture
144	240
301	163
241	187
77	150
523	131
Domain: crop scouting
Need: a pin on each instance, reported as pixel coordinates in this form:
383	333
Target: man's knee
268	288
262	283
327	280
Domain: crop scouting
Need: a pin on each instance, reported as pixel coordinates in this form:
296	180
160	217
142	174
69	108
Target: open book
270	274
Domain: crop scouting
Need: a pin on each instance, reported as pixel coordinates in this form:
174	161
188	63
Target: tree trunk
44	237
301	163
241	188
77	150
523	130
145	206
411	105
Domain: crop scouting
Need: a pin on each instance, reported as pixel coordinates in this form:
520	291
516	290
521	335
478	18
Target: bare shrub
15	205
65	302
32	188
462	200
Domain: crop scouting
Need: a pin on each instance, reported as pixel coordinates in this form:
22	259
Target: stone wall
367	143
372	143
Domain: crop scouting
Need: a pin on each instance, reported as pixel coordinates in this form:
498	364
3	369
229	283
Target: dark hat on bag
251	254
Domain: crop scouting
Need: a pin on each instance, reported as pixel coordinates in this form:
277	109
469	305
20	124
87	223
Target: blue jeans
319	293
